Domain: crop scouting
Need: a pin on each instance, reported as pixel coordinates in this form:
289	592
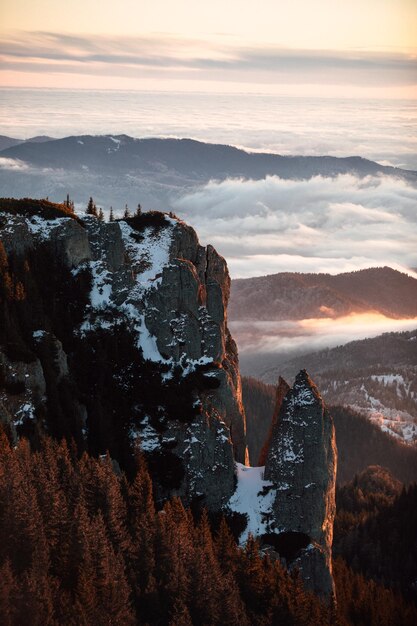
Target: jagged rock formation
301	465
116	333
165	296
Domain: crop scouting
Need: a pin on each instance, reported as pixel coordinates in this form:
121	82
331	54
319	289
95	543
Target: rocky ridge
152	276
115	334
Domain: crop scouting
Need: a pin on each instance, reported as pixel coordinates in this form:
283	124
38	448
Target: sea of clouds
318	225
328	225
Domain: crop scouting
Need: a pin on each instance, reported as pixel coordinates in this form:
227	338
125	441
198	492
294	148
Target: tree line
82	544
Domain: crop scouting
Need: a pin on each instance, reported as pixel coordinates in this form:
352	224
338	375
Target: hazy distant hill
295	296
376	376
186	156
114	167
8	142
387	350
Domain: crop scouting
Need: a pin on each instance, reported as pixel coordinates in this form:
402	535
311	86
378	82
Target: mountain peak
304	392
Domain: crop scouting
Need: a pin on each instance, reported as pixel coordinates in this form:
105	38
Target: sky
296	47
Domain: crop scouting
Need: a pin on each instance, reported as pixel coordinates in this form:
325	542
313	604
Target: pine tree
114	507
52	503
21	524
91	208
174	554
36	606
251	578
225	547
111	216
206	578
139	210
101	215
114	604
69	203
126	213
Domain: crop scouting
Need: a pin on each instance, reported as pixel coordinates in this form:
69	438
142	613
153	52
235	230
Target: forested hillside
83	545
259	401
295	296
376	527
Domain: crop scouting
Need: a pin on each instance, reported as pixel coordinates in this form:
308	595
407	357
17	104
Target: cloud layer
12	164
323	224
292	337
157	56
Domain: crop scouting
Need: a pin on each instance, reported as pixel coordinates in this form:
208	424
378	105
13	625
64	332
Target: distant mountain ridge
111	167
187	155
9	142
386	350
293	296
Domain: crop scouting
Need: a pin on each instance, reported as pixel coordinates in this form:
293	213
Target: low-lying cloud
287	338
12	164
263	345
318	225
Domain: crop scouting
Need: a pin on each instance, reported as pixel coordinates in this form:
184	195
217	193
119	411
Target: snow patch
41	228
101	288
148	437
25	412
389	379
148	256
248	499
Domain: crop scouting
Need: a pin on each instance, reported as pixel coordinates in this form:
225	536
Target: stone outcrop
22	389
148	283
301	464
172	293
187	314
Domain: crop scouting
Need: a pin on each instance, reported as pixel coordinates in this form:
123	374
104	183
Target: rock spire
301	464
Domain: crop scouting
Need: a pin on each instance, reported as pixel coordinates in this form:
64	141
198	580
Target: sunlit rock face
301	465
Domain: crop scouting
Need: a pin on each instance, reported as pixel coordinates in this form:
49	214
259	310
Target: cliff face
301	465
115	335
174	371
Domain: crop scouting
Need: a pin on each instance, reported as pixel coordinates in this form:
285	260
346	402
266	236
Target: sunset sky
293	46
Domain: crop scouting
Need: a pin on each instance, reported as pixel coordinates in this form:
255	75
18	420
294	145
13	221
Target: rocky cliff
145	356
115	335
